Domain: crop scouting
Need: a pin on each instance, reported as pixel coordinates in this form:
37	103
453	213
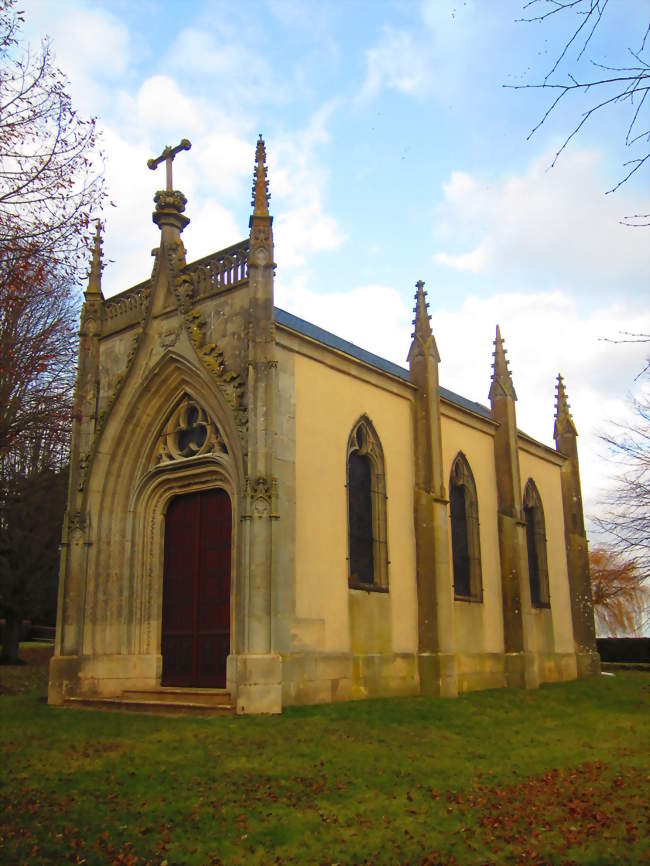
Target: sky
395	153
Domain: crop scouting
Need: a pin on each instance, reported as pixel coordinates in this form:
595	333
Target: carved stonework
261	235
169	337
261	497
212	359
363	440
77	522
170	205
83	467
189	432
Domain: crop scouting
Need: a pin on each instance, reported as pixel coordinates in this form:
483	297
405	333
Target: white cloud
474	261
298	183
437	55
544	220
161	104
220	58
399	62
92	46
373	316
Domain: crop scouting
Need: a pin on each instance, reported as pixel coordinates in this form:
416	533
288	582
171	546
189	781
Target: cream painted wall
547	479
328	403
478	627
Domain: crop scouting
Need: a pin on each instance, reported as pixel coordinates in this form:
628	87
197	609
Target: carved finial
260	182
96	265
422	335
422	320
501	378
563	420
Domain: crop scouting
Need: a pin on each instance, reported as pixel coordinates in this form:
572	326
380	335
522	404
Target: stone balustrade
220	271
210	275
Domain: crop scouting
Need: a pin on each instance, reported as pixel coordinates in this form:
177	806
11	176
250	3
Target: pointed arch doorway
196	590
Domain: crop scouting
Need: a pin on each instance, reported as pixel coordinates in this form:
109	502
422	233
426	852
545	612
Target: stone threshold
165	701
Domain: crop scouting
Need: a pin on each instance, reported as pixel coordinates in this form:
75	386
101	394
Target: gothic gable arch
465	531
118	477
366	488
536	546
180	397
128	435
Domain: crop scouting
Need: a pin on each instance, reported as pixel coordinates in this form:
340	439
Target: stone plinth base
521	670
588	664
528	670
321	678
438	674
255	681
478	671
101	676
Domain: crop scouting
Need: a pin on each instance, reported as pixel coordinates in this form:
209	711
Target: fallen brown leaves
543	818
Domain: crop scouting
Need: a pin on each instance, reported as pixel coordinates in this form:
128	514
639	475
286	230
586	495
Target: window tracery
465	531
536	546
188	432
366	484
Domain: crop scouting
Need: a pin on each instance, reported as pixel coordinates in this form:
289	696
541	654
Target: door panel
196	590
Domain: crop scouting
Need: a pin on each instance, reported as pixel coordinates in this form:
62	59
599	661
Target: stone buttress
256	669
75	525
582	611
436	642
521	669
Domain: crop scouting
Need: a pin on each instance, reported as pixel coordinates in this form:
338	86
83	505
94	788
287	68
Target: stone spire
423	338
94	289
261	196
563	420
501	378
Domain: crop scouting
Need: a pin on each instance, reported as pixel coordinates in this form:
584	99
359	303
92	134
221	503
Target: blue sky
395	154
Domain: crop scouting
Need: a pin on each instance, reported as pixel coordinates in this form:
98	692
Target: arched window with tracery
465	534
366	485
536	545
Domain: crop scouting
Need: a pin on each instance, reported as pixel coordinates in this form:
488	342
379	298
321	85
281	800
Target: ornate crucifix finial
167	156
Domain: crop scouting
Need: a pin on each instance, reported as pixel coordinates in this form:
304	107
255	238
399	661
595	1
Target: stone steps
170	694
163	702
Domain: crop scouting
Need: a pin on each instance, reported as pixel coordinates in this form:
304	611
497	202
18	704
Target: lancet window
465	534
536	545
366	485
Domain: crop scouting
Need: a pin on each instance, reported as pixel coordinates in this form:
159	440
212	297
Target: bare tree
621	598
37	354
38	315
50	185
625	514
601	89
51	178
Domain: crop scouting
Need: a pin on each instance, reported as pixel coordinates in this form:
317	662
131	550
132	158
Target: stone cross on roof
167	156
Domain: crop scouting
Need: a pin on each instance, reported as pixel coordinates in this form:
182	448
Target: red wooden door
196	590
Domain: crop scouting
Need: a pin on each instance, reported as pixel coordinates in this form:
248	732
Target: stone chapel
261	510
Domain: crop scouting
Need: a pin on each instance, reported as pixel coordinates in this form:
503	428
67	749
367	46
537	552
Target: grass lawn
555	776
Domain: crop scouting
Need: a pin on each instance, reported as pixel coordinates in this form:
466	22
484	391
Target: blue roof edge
307	329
